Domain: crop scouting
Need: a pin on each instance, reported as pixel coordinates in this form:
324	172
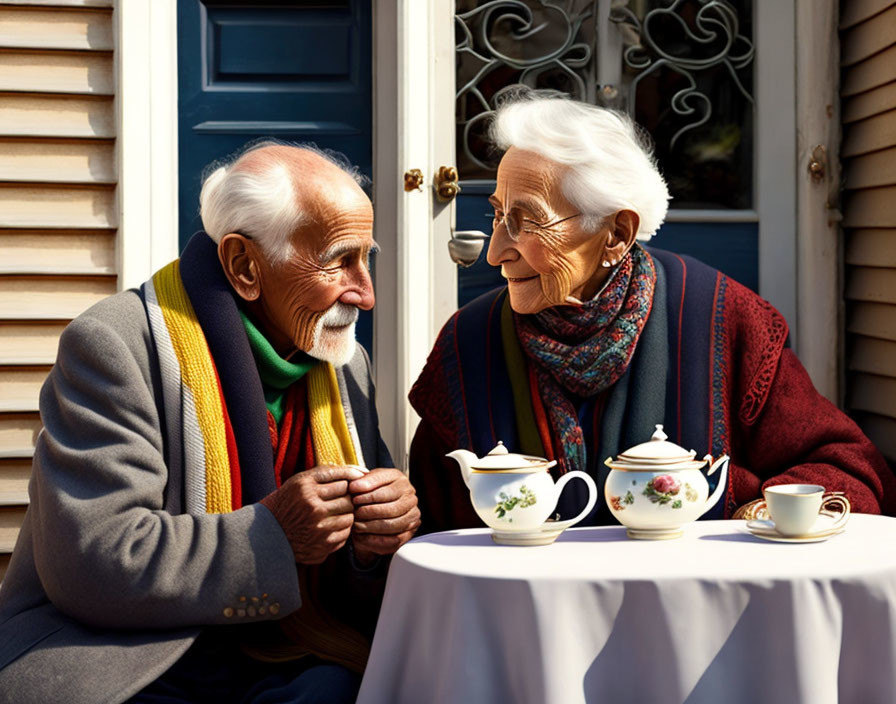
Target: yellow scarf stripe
329	430
198	374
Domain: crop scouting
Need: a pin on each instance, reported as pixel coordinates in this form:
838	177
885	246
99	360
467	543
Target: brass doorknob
446	184
413	180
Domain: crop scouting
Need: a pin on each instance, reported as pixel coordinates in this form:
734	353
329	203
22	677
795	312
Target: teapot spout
720	488
465	459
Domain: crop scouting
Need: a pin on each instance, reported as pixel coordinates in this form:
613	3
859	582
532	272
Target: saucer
777	538
824	527
545	535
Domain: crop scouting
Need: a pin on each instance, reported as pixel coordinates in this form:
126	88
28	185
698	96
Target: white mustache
339	315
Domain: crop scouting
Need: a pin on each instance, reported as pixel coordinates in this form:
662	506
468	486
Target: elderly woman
596	339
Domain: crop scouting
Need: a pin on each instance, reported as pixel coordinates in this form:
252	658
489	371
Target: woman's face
538	239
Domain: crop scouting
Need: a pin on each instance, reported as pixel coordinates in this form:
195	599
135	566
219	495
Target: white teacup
794	508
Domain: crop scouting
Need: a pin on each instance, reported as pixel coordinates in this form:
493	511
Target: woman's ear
238	257
623	230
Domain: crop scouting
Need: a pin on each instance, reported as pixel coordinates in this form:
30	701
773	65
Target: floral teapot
655	488
515	494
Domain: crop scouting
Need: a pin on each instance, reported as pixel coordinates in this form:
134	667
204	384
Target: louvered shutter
57	207
868	93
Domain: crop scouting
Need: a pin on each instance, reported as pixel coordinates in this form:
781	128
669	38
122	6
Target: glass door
686	70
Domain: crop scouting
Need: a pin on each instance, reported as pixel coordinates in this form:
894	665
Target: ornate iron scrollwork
534	43
714	27
504	44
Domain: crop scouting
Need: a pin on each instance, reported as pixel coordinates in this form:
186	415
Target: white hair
611	165
259	203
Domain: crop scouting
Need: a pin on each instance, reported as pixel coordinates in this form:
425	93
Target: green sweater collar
274	371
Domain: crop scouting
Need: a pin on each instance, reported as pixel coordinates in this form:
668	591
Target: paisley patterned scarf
580	351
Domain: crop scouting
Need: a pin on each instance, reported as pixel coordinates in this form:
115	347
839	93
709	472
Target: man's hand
315	511
386	513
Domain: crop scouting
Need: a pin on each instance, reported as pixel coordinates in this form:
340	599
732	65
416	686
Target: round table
717	615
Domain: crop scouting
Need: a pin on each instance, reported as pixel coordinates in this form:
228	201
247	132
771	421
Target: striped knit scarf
192	392
584	350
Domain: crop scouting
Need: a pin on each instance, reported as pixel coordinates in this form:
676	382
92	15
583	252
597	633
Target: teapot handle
592	497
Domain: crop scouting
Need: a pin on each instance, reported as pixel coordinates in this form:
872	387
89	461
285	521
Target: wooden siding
59	161
63	72
58	208
18	433
55	28
868	93
10	520
14	482
29	342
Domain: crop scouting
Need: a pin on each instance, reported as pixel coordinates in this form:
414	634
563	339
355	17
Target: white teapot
515	494
655	488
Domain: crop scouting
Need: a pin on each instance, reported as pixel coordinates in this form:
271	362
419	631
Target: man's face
311	300
538	240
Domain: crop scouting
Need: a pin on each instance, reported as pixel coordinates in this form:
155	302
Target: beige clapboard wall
868	93
57	207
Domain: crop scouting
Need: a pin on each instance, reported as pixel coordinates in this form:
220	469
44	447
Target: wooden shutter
868	94
58	212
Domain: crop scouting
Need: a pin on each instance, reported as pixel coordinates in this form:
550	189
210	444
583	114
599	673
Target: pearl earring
605	264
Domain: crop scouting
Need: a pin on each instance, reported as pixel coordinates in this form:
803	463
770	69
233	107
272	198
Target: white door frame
820	325
797	79
775	174
146	136
413	128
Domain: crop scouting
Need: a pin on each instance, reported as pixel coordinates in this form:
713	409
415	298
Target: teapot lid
502	459
657	450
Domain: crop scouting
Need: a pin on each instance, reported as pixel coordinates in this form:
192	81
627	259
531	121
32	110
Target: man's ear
238	257
623	230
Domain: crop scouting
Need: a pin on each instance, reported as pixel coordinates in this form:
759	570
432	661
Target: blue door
294	70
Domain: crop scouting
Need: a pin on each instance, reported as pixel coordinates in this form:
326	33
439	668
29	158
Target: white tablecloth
715	616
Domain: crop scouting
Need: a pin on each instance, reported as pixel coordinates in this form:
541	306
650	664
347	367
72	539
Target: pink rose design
666	484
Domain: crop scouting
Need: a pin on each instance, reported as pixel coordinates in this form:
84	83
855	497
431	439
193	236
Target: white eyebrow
337	250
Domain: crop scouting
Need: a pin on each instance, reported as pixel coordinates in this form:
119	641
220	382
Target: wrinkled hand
315	511
386	513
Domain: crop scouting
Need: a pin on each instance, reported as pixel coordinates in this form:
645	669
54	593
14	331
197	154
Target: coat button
228	612
240	612
251	611
275	609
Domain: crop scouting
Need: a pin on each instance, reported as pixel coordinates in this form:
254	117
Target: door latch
818	163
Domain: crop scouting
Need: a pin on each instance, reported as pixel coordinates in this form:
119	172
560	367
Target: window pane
688	72
683	69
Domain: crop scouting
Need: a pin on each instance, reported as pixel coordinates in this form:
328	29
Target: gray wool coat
110	582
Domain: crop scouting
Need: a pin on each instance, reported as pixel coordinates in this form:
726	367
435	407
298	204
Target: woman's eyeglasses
517	225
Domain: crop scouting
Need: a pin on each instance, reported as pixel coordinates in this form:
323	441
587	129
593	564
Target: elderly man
202	524
595	339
